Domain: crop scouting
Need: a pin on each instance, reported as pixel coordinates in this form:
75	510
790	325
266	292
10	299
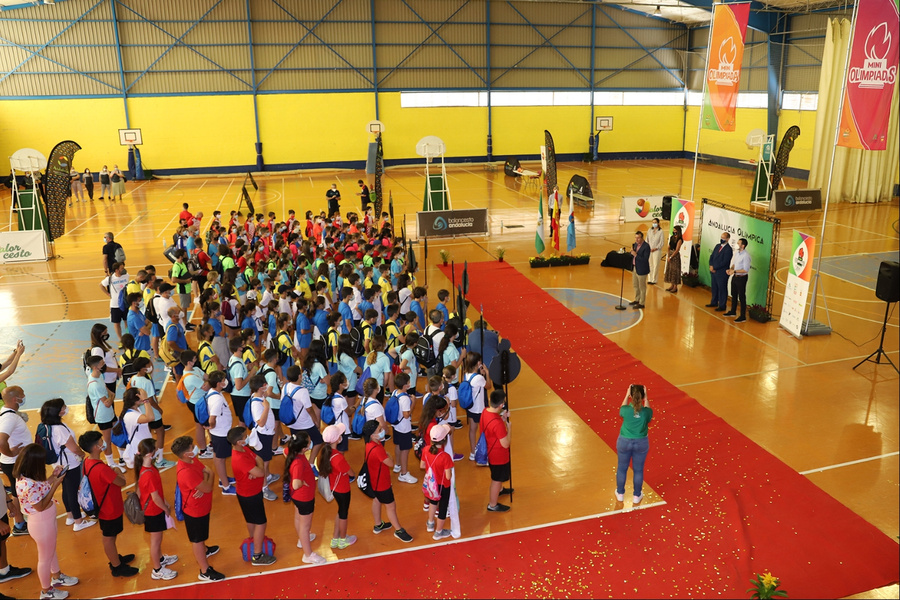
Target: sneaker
262	560
84	525
396	468
407	478
458	457
353	436
18	573
386	438
123	570
64	580
498	508
740	320
429	526
269	495
54	594
285	439
379	528
472	456
210	550
637	499
457	424
229	491
730	314
164	464
620	497
314	559
163	573
441	535
210	575
69	521
312	538
336	542
346	542
168	559
404	537
272	478
506	491
20	529
126	559
166	427
206	454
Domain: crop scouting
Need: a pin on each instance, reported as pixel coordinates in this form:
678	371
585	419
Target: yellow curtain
859	175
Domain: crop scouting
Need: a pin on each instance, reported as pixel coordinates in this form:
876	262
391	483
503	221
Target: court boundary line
640	317
849	463
461	540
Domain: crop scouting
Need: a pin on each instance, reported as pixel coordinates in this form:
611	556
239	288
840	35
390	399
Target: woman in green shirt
633	445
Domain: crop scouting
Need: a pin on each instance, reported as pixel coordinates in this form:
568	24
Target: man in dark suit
719	262
640	251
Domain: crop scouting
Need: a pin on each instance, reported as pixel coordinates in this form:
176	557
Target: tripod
880	351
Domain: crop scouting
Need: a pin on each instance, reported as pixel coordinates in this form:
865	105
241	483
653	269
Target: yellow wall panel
730	144
519	130
463	129
41	124
642	128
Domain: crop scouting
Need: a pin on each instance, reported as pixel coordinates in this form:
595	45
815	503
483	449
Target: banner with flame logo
796	290
723	66
683	216
871	74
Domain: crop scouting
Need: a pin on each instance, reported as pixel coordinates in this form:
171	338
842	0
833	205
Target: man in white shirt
740	273
220	421
112	285
14	436
163	304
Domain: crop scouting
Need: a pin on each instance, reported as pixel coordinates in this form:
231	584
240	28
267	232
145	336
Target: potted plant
445	257
501	252
760	313
554	260
690	279
766	586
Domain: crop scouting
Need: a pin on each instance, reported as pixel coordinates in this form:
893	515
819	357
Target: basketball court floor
799	400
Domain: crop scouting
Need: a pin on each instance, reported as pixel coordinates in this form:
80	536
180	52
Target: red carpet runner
732	508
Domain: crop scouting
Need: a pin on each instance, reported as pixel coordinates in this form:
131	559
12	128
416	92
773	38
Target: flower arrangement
760	313
766	586
501	252
554	260
445	257
690	279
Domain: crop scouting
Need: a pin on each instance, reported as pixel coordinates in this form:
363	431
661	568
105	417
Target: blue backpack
465	392
43	437
362	379
308	382
286	410
248	413
123	306
359	418
86	499
392	408
122	439
179	504
328	415
481	451
201	408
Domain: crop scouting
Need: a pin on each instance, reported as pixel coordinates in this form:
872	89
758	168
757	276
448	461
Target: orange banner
723	66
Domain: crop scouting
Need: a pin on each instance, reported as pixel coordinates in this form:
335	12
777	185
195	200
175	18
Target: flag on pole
723	65
570	230
539	235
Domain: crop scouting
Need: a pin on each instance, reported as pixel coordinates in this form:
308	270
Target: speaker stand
875	357
621	305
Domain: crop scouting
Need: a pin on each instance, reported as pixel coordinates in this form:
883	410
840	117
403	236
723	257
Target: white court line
847	464
202	184
165	228
62	304
640	317
219	205
430	547
173	187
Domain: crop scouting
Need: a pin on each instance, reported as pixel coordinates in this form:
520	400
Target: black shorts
154	425
305	508
221	447
385	497
112	527
265	453
239	402
5	519
444	503
111	386
343	504
253	509
500	472
315	436
197	528
350	394
473	417
155	524
318	402
107	425
116	315
275	412
403	440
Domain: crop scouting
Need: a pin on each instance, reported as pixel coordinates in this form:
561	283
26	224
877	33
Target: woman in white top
657	239
341	408
62	439
100	347
372	408
135	418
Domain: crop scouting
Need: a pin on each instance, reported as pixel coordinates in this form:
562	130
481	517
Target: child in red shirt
301	482
495	427
380	466
249	479
334	466
440	465
156	509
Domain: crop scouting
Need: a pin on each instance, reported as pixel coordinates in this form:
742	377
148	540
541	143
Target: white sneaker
314	559
207	454
70	521
472	456
54	594
396	468
164	573
312	538
637	499
407	478
429	526
84	525
168	559
63	579
620	497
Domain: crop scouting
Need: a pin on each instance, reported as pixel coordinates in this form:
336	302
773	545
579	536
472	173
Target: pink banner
871	75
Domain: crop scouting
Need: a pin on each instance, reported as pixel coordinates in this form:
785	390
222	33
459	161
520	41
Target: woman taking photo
673	262
633	444
35	491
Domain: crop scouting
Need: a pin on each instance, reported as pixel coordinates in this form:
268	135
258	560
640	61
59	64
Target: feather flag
570	230
539	235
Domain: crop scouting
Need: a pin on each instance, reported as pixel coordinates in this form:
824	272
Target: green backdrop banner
759	235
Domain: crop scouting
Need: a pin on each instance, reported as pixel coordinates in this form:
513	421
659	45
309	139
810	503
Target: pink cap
333	433
439	432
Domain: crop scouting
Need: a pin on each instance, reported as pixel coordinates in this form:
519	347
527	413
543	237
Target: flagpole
820	329
712	20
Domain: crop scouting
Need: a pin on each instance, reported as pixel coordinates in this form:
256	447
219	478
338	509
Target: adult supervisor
740	272
719	261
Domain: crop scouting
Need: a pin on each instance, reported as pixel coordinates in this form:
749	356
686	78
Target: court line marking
135	220
106	207
431	547
847	464
640	317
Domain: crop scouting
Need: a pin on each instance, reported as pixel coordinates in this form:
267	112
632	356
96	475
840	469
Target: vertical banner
549	174
723	66
57	183
683	214
797	287
871	75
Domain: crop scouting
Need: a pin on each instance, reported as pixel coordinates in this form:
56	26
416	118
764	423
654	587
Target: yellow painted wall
41	124
730	144
519	130
642	128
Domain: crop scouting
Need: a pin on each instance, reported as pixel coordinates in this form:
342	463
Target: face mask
63	412
149	369
655	226
196	450
723	242
381	435
22	402
242	442
103	447
104	337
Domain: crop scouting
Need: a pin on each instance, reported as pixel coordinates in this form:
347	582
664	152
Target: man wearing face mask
719	261
739	272
656	238
14	436
112	285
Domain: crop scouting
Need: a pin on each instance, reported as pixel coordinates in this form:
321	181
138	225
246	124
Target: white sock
4	570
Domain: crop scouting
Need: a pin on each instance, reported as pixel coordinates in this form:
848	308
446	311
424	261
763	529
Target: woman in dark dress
88	178
673	261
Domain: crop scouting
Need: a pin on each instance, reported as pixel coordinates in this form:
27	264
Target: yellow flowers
769	580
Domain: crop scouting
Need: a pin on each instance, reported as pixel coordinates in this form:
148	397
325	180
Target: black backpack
150	312
274	345
425	350
329	349
358	338
44	436
128	370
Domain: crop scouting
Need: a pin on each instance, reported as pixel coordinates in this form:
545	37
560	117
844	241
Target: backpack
308	383
248	413
429	486
120	436
87	501
268	547
123	305
367	373
328	416
133	509
120	254
481	451
201	408
358	340
424	350
227	310
364	479
466	399
359	418
43	437
392	408
329	349
150	312
181	390
128	370
179	504
286	410
193	263
274	345
89	415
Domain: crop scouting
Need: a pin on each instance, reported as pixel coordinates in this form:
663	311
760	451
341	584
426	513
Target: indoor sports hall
516	150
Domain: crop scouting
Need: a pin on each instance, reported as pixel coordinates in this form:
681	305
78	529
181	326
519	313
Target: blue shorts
155	331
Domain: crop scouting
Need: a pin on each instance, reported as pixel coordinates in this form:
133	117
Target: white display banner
641	208
544	158
796	288
22	246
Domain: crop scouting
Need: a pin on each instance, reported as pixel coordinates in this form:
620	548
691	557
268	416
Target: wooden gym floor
799	399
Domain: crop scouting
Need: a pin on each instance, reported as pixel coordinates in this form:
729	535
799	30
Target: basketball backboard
375	127
130	137
604	123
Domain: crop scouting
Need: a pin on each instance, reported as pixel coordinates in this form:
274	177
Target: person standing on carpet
633	444
641	261
656	238
719	261
673	260
740	272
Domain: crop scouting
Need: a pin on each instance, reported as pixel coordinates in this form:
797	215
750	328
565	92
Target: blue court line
861	269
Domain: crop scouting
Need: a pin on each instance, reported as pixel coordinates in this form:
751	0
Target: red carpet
732	508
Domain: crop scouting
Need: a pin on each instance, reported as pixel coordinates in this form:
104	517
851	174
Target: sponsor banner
871	75
794	200
796	289
57	184
447	223
23	246
683	215
641	208
759	235
723	66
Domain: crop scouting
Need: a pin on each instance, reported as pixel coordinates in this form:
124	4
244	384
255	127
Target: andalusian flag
570	230
539	235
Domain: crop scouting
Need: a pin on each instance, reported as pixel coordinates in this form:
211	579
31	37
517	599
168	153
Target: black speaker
888	286
667	207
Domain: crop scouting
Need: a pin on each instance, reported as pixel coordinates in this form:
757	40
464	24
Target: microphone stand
621	306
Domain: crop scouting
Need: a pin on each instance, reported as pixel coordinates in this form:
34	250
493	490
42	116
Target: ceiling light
657	12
